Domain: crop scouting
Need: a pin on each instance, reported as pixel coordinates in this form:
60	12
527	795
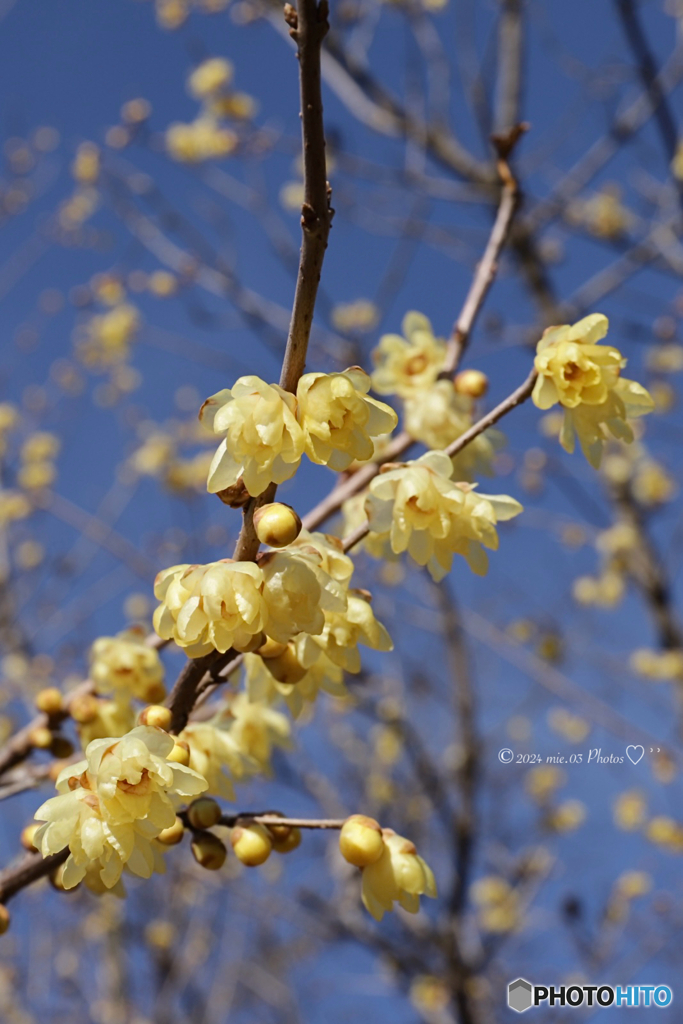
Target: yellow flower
355	515
339	419
584	377
202	139
112	718
438	415
296	593
328	552
125	664
113	804
210	77
262	685
406	365
630	810
399	875
360	315
215	606
40	447
108	336
257	728
215	755
263	441
497	903
425	513
342	633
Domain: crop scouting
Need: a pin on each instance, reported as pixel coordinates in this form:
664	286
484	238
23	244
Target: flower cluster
584	377
393	872
419	509
208	137
113	805
267	430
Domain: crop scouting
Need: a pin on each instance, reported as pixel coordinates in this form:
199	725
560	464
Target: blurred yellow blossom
439	415
567	816
86	165
630	810
661	666
407	365
202	139
359	315
210	77
542	781
215	755
498	907
40	447
573	727
257	728
125	664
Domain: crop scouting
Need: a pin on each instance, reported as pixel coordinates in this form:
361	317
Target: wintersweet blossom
257	728
585	378
339	419
263	441
342	633
399	875
126	665
215	606
214	754
210	77
407	365
296	593
113	804
323	674
422	511
438	415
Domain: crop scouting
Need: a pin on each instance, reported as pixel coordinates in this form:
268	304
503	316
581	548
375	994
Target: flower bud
204	813
209	851
286	667
40	737
360	840
50	701
156	715
154	693
84	708
252	844
61	747
473	383
27	836
180	753
287	843
173	834
4	919
277	525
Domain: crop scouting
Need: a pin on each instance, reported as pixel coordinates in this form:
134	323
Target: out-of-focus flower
399	875
210	77
567	816
339	419
631	884
498	905
40	447
126	665
13	505
203	139
257	728
343	631
572	727
664	831
361	315
215	606
108	336
438	415
584	377
263	440
425	513
171	14
86	165
603	213
111	718
263	686
604	591
409	364
215	755
542	781
630	810
660	666
113	804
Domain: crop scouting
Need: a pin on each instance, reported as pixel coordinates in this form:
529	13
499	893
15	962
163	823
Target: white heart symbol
632	756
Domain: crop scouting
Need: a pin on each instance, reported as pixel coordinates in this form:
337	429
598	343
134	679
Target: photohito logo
522	995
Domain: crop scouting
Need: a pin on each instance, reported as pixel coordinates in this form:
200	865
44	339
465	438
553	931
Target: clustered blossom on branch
585	378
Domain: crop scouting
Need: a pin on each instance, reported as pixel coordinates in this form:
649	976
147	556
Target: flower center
137	788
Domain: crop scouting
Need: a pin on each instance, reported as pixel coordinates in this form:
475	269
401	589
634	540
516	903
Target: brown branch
308	27
271	818
30	869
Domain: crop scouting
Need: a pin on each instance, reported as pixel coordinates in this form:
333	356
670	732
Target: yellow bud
286	667
156	715
154	693
28	835
252	844
84	709
473	383
204	813
61	747
49	701
4	919
40	737
209	851
287	843
173	834
180	753
360	840
277	525
271	648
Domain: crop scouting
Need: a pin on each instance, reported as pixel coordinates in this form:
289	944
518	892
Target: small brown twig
30	869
